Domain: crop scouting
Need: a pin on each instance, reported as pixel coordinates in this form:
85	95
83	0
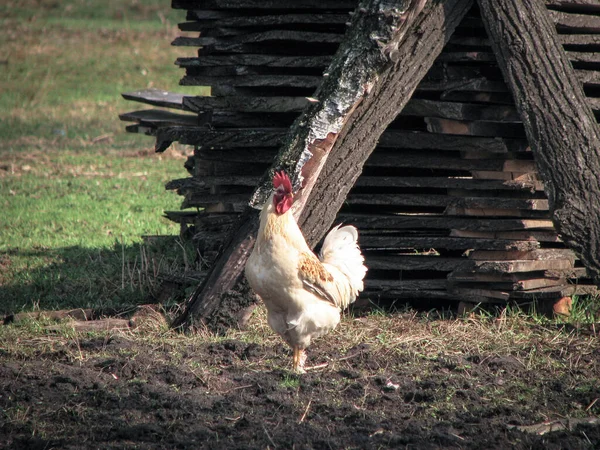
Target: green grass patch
77	191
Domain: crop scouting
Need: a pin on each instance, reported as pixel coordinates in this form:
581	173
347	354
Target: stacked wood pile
449	205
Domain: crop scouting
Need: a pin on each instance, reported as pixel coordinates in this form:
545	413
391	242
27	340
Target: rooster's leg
295	358
299	359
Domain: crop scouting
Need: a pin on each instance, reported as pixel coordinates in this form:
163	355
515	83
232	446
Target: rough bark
391	93
360	82
560	126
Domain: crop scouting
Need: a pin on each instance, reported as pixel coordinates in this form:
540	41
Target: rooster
303	294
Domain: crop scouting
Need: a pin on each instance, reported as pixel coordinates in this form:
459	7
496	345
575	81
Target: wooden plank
478	128
493	277
472	56
378	261
463	183
521	177
589	78
269	20
420	294
269	81
533	204
545	254
478	97
592	58
517	266
233	119
481	295
235	43
575	23
231	138
389	159
156	97
445	200
405	285
575	272
431	160
260	60
579	40
395	182
542	236
452	210
587	6
521	285
442	222
182	217
473	84
554	293
155	117
460	111
247	104
419	140
264	4
448	243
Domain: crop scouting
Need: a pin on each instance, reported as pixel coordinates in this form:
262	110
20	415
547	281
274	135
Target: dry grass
419	336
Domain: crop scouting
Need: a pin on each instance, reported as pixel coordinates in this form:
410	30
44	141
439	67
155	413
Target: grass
77	191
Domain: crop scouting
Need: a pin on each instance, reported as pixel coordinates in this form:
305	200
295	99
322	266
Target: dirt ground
397	382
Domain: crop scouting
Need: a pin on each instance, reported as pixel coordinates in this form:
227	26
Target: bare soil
420	384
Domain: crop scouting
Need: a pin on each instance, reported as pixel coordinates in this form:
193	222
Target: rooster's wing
317	279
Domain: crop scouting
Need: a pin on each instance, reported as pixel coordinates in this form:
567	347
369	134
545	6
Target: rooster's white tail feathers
340	250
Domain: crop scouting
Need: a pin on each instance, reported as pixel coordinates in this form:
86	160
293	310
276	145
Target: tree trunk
388	97
375	66
560	126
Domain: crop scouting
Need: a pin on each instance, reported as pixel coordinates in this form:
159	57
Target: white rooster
303	294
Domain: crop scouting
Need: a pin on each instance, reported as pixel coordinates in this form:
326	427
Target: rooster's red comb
281	179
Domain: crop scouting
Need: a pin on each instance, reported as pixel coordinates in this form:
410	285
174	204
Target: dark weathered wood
243	21
156	97
472	84
514	266
537	235
460	111
406	285
447	243
576	23
533	255
352	79
220	139
269	81
255	41
401	222
264	4
247	104
519	285
156	117
413	262
418	140
233	119
475	128
589	6
280	61
398	295
542	80
554	292
473	56
463	183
